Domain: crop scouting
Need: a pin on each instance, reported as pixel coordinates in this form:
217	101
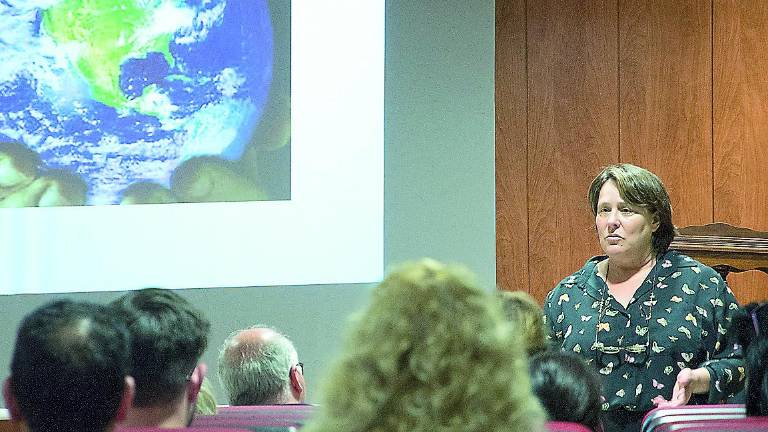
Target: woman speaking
653	322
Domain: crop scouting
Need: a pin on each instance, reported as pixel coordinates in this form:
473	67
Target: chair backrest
288	410
278	416
660	419
724	247
728	250
186	429
559	426
747	424
8	425
247	422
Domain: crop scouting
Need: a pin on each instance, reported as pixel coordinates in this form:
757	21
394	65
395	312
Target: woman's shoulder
690	275
579	276
675	260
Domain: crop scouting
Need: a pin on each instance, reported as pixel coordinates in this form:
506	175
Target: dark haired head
168	337
642	188
750	328
69	367
567	387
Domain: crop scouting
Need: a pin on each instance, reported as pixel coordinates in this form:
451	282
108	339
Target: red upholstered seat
245	421
747	424
263	416
661	419
557	426
286	408
187	429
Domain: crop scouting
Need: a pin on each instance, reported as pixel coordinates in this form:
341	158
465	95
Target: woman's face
623	230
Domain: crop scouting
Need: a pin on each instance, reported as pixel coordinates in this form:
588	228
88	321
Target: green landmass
107	33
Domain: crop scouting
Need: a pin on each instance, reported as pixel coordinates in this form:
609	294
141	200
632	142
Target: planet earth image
121	92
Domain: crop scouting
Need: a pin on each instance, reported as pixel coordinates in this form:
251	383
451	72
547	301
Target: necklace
651	261
630	353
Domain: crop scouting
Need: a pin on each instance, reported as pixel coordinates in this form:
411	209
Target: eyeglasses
300	365
631	351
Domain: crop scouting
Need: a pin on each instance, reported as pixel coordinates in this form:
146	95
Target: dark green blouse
678	318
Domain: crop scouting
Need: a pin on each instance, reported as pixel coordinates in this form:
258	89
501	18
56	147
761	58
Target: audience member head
527	317
259	366
750	326
69	370
168	337
431	352
567	387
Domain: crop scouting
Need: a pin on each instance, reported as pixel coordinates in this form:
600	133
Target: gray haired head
256	367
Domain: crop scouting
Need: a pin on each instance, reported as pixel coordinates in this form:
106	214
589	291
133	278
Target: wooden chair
727	249
7	425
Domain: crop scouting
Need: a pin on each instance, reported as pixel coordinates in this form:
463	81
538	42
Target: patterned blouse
678	318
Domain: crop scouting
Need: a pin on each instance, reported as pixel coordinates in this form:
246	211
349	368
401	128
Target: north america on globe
120	92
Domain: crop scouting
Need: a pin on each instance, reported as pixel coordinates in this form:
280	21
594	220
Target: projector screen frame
329	232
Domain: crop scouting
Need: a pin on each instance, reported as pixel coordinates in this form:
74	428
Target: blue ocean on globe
121	91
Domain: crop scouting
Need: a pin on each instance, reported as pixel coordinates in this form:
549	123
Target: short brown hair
639	187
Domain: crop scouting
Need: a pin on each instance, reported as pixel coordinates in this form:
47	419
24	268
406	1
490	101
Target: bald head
247	343
258	366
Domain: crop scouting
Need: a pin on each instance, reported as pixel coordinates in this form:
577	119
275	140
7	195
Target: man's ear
10	401
196	381
298	387
126	401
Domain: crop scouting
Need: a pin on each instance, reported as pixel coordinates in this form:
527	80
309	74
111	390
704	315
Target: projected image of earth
141	101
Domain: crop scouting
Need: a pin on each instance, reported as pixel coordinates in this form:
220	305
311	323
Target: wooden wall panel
511	147
679	87
741	125
666	92
572	129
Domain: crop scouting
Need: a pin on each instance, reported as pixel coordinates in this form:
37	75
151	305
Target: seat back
747	424
660	419
559	426
724	247
186	429
728	249
263	416
288	410
8	425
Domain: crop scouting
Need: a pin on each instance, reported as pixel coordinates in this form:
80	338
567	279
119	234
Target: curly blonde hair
432	352
527	316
